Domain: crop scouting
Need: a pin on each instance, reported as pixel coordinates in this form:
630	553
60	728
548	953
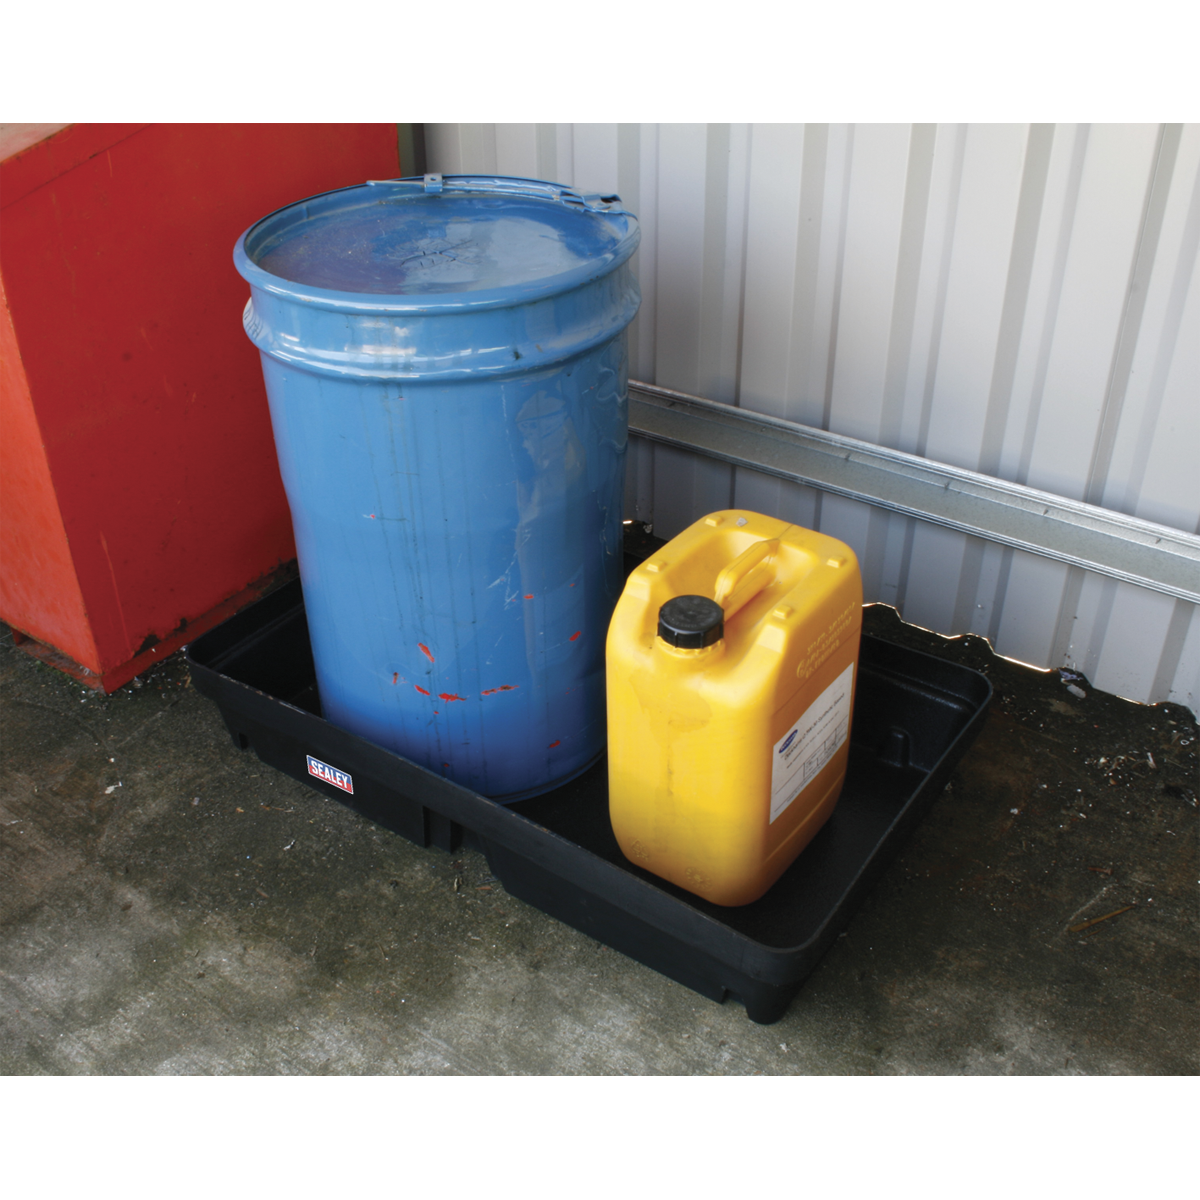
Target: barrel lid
691	622
439	241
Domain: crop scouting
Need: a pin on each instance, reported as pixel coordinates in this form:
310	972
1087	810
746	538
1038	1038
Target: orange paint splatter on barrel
395	676
553	744
424	649
574	635
420	689
448	696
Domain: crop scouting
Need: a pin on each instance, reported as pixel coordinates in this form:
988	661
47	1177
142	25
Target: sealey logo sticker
329	774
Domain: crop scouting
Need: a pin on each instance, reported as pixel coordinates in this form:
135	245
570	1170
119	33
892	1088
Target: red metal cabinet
140	500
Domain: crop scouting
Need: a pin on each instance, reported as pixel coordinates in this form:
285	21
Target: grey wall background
1020	300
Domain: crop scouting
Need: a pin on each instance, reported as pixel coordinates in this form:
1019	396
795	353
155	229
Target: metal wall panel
1020	300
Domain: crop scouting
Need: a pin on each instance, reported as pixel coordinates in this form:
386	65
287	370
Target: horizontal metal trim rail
1110	543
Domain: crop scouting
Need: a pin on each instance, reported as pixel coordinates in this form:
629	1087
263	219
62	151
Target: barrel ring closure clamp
437	184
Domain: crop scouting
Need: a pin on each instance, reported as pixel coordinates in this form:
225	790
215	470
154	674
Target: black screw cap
691	622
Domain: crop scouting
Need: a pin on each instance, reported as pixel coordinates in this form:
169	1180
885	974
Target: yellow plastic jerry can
732	660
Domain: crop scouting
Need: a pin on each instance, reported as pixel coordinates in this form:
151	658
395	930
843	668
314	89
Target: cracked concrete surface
169	905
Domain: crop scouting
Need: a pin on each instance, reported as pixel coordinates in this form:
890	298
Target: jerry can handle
746	576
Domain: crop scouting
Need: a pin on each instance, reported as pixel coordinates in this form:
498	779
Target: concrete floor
169	905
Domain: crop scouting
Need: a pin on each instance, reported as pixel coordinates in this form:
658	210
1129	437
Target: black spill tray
914	717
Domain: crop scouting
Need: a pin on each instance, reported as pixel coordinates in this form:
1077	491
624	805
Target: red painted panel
148	395
37	582
34	166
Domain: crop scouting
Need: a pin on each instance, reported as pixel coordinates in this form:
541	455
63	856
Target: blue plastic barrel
445	361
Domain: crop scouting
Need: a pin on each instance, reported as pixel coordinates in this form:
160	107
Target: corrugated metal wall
1020	300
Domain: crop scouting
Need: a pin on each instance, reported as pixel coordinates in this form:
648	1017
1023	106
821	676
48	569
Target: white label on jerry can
814	739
